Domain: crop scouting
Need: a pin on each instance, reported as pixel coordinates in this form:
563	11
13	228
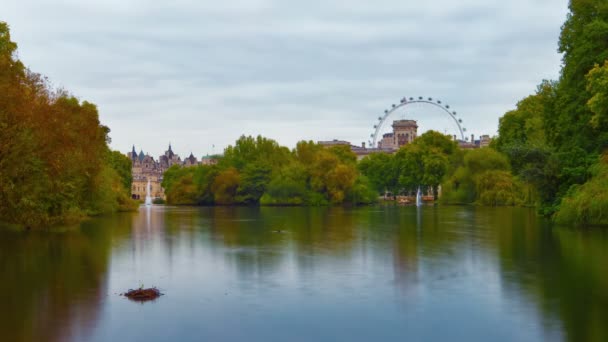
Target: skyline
198	75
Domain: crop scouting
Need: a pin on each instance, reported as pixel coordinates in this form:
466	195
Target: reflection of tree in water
52	283
562	271
260	241
251	244
426	247
316	232
406	253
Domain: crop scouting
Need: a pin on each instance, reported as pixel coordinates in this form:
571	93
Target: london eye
416	101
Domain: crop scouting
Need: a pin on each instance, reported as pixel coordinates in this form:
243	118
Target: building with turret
169	159
191	160
404	132
144	168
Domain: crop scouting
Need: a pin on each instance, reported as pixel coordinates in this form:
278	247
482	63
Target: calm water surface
308	274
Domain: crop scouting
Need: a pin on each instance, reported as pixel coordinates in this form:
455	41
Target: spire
133	153
169	153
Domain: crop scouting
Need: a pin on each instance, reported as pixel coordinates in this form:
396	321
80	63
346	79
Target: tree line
55	164
556	139
479	176
260	171
551	149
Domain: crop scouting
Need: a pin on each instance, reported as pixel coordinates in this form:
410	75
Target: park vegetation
55	164
479	176
551	149
550	152
258	171
556	139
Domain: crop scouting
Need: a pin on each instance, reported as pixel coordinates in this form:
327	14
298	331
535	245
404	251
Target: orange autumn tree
55	165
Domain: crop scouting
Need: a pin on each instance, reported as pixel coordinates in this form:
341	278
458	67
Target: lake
380	273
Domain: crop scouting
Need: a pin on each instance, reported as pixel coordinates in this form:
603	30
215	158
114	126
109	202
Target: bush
587	204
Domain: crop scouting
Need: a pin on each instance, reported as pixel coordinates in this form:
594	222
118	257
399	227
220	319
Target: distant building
144	168
332	143
485	140
191	160
404	132
387	141
209	160
169	159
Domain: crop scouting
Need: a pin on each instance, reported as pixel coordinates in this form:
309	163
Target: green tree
382	172
225	186
248	150
597	86
584	43
287	187
483	178
204	176
122	165
254	181
588	203
426	161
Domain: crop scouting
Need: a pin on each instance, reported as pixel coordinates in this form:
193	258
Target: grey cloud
201	73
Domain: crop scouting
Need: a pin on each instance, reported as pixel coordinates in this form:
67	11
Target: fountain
418	198
148	197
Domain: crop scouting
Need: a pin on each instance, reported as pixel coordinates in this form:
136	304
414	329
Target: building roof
405	123
334	142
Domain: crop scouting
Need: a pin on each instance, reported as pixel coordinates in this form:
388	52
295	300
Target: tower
404	132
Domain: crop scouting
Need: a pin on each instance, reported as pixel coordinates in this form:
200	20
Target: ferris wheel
419	101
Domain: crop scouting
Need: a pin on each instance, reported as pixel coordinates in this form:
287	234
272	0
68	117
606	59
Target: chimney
454	137
472	138
363	144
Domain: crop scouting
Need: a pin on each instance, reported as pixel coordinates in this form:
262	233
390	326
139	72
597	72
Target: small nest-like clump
142	294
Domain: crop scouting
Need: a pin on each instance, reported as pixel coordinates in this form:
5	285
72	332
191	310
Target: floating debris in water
142	295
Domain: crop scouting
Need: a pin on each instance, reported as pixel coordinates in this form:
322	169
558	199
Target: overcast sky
202	73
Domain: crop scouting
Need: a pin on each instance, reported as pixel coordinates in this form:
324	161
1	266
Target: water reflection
53	283
375	273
